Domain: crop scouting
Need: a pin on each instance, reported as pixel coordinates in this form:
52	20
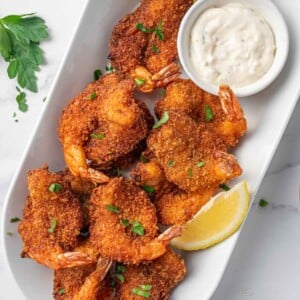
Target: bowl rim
280	58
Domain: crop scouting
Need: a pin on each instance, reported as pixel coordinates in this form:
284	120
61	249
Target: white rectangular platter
267	113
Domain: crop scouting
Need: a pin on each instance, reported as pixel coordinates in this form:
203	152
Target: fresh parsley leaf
110	69
120	277
93	95
15	219
137	228
162	121
20	36
170	163
142	28
125	222
9	233
97	74
55	187
120	268
200	164
98	136
44	99
21	100
144	290
61	291
53	225
112	208
14	115
155	49
148	189
208	113
263	203
139	81
146	287
190	172
159	32
224	187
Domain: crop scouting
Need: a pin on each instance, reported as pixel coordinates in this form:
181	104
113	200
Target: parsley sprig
20	36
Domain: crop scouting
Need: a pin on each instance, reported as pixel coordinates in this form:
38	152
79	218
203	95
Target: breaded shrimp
173	206
155	280
102	124
124	224
52	219
199	158
143	43
89	282
228	121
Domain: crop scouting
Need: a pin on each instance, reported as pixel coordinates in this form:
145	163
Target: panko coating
157	278
102	124
124	223
144	43
51	221
199	158
228	121
89	282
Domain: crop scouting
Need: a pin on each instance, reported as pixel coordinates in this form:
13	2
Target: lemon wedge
219	218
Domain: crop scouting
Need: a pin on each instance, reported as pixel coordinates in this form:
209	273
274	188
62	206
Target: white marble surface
266	262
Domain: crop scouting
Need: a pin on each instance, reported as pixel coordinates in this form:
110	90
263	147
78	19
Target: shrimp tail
171	233
72	259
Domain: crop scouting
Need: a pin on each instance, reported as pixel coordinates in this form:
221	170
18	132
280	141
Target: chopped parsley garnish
224	187
61	291
21	100
98	136
148	189
263	203
190	172
97	74
155	49
137	228
208	113
44	99
158	31
200	164
120	277
144	290
112	208
162	121
55	187
93	95
125	222
15	220
142	28
9	233
110	69
170	163
139	81
52	226
120	268
14	115
143	159
20	37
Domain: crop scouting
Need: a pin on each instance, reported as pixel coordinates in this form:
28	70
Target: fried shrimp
89	282
52	219
199	158
143	43
154	280
227	119
124	224
102	124
173	205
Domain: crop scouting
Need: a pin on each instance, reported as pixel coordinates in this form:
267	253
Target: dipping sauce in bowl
232	44
240	43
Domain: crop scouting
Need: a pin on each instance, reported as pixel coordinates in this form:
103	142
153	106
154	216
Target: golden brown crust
163	274
114	112
41	207
130	47
107	233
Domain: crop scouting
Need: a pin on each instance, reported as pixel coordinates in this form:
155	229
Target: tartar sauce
232	44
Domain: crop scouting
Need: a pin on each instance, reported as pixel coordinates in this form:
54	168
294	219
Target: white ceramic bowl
276	22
